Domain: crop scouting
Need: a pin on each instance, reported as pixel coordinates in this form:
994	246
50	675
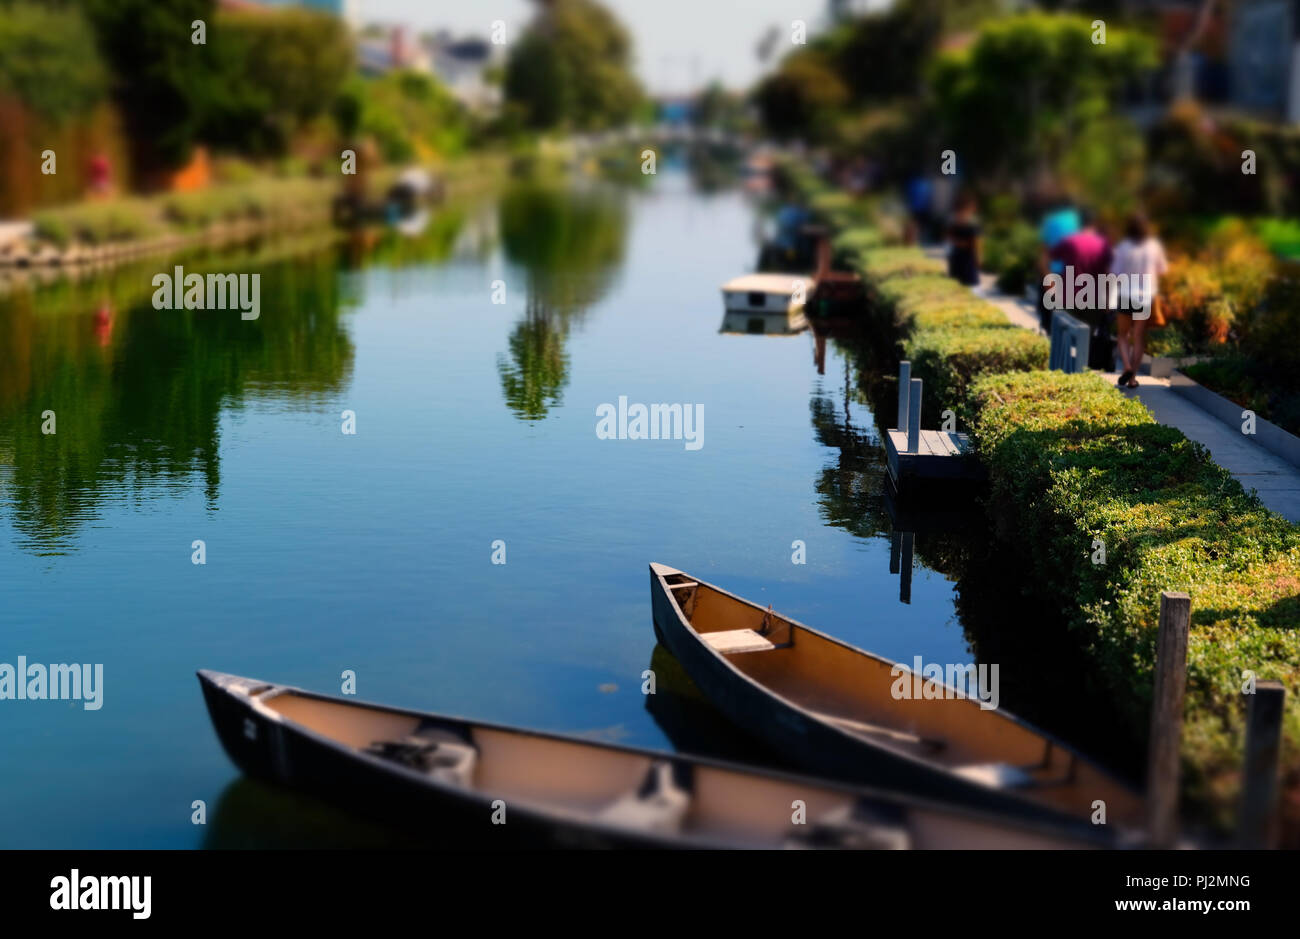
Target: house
1264	57
463	66
380	52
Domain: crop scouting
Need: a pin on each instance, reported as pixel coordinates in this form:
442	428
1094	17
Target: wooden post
914	416
895	542
904	392
905	578
1167	718
1257	821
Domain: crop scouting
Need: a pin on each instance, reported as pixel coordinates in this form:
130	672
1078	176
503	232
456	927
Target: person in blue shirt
919	194
1060	221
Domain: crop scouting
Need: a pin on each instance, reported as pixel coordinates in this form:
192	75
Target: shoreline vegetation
93	235
1072	462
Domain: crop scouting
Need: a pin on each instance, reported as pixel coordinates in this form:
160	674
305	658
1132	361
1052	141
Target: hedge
950	335
1071	462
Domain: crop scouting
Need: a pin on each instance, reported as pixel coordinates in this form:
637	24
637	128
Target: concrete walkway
1276	481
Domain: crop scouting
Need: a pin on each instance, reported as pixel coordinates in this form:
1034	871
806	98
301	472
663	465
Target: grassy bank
264	203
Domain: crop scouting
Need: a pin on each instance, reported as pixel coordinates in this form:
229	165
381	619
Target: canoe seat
995	775
732	641
858	827
448	761
659	805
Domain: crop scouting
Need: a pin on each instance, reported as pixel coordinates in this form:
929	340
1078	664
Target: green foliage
410	115
97	223
883	264
1011	252
949	358
803	98
129	218
278	70
162	79
49	62
1032	90
951	336
1282	235
573	67
1071	461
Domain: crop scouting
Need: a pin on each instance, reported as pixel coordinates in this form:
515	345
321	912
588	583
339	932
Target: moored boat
833	709
504	786
766	293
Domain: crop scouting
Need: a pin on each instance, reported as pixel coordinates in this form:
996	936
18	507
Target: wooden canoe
831	709
445	775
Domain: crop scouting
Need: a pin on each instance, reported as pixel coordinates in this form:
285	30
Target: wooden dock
916	454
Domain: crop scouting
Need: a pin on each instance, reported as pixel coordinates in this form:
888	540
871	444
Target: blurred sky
680	44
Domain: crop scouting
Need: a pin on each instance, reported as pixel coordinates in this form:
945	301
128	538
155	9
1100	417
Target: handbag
1159	317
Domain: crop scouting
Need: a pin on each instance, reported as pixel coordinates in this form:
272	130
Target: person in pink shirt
1087	254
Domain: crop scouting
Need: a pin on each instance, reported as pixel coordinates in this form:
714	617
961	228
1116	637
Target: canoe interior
672	798
853	691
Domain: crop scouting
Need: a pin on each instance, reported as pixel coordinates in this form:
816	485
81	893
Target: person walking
1060	220
1086	256
964	242
920	196
1139	260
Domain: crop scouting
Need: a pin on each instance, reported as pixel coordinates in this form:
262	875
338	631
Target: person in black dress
964	242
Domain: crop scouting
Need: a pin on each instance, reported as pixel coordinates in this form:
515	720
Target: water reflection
764	324
848	489
133	395
570	246
693	724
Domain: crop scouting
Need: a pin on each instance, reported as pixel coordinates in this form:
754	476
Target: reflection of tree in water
538	368
570	245
140	406
848	489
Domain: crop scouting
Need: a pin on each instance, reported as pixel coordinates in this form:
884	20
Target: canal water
475	433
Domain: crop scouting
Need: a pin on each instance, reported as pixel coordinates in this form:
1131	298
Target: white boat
766	293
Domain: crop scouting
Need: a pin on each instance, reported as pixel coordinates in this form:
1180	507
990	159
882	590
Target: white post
904	390
914	417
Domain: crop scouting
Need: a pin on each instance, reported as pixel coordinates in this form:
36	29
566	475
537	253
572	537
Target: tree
276	71
573	67
1030	88
162	78
803	98
48	61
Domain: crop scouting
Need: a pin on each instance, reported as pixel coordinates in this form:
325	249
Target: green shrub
850	243
949	358
1012	253
1073	463
883	263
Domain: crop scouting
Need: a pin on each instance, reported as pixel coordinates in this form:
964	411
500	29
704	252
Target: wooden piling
905	575
904	392
895	544
1167	718
914	416
1257	820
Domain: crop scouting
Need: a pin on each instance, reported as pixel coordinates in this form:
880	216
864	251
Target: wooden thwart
731	641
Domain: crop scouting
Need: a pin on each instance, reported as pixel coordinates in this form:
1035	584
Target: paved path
1276	481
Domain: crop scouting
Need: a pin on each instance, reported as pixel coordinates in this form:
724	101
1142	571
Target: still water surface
475	422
